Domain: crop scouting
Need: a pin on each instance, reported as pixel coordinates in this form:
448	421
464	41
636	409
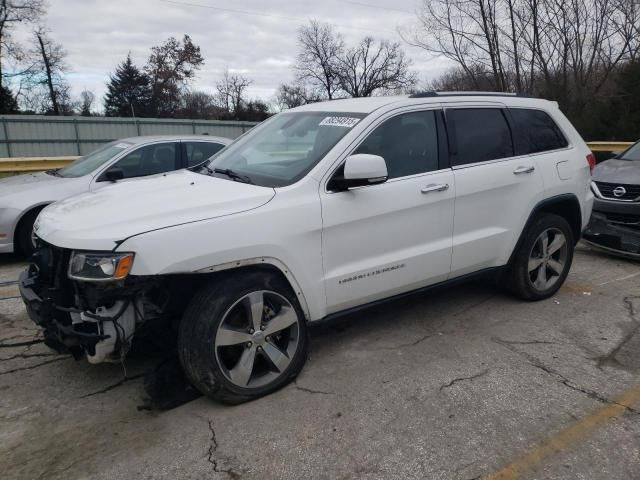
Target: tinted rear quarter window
480	134
535	131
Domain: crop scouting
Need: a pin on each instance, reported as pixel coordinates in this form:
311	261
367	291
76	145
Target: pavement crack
560	378
211	455
120	382
20	344
530	342
610	358
31	367
28	355
310	390
461	379
408	344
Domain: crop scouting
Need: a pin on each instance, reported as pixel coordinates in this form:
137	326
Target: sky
254	37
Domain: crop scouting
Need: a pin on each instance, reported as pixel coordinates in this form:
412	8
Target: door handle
522	169
435	187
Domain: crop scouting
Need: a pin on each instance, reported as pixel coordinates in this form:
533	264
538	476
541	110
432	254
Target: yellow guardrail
609	146
16	165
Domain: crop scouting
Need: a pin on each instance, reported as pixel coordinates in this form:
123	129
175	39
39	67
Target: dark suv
615	221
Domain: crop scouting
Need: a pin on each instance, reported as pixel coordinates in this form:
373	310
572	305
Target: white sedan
23	196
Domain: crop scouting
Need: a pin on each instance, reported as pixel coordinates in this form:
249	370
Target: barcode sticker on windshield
123	145
346	122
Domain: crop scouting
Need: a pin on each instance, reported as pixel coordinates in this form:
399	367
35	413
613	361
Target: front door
385	239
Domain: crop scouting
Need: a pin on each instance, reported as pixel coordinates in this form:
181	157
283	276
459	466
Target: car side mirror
114	174
360	170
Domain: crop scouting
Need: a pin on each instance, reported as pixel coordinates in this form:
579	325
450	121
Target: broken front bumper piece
616	234
103	335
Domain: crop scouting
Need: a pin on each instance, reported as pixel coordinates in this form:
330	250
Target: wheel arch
566	206
33	208
268	264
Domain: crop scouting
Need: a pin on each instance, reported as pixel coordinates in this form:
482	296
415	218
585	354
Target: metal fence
37	136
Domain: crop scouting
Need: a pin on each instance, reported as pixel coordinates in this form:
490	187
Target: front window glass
148	160
285	149
633	153
408	143
97	158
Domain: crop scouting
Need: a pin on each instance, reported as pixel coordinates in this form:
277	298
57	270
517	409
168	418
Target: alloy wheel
257	339
547	259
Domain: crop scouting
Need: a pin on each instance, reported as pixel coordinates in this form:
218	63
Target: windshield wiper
233	175
54	172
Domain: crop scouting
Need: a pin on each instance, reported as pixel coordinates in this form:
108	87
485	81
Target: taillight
591	160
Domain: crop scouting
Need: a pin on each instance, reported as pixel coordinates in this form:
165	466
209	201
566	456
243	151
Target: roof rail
431	93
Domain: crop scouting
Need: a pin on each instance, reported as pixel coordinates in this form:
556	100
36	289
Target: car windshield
632	153
97	158
284	149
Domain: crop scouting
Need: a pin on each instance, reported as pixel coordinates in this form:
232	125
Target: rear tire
543	259
243	337
24	233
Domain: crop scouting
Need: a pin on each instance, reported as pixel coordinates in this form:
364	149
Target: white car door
495	189
393	237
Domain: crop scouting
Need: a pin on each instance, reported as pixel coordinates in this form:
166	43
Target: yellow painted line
567	438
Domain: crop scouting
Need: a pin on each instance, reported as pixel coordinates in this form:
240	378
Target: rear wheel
543	259
243	338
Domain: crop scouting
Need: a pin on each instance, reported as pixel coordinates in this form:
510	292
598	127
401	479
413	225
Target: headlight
96	267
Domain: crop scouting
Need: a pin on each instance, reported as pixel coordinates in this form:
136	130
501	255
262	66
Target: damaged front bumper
83	319
617	233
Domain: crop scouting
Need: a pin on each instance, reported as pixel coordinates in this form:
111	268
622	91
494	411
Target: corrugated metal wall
37	136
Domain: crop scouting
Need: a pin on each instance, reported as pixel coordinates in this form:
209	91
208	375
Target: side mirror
114	174
359	170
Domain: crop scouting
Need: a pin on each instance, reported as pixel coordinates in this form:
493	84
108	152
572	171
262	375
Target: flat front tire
243	337
543	259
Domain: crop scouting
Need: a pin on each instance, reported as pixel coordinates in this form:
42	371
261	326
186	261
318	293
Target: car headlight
96	267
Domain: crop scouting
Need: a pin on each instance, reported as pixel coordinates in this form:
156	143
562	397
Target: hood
26	191
98	220
618	171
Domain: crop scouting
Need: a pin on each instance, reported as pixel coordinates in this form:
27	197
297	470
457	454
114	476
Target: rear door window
479	135
535	131
198	152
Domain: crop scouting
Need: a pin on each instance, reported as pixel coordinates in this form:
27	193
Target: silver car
23	196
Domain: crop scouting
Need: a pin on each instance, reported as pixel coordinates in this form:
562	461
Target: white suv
318	211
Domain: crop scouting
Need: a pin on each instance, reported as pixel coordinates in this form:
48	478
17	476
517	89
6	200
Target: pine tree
128	92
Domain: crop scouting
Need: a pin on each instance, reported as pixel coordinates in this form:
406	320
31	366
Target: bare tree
231	90
51	66
13	13
320	48
199	104
369	67
291	96
87	98
564	49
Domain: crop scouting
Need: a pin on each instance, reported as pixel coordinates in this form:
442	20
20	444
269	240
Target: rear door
496	189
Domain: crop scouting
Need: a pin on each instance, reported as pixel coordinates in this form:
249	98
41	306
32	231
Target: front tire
24	237
243	337
543	259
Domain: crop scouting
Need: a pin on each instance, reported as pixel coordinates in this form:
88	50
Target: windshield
97	158
633	153
284	149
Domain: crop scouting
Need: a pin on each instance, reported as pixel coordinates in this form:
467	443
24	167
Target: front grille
606	189
49	264
623	218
